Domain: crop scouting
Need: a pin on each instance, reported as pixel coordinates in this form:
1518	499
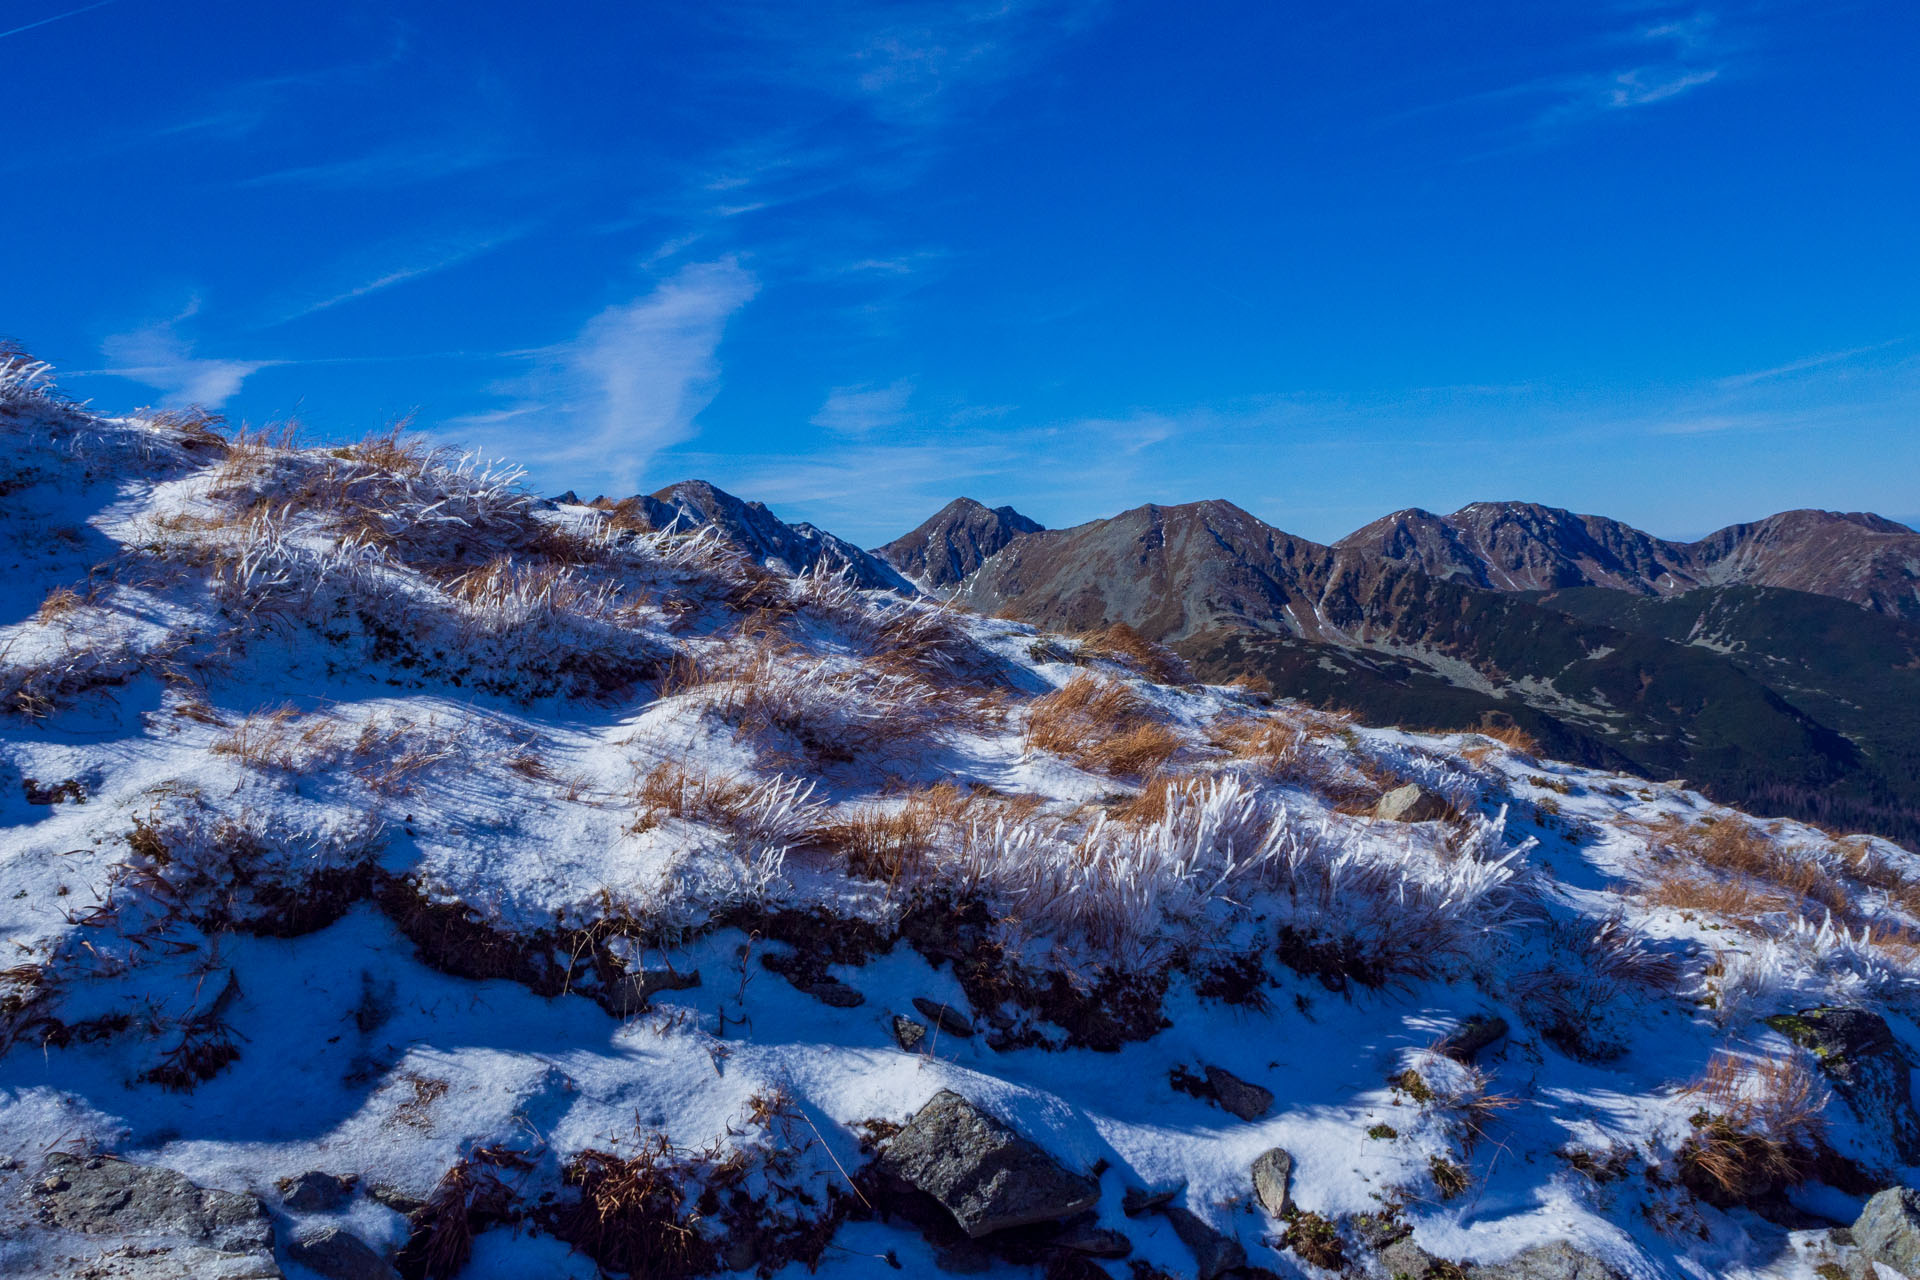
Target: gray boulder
1473	1034
1214	1253
315	1192
1248	1101
1889	1231
981	1171
1273	1181
1411	803
180	1228
1867	1066
340	1255
945	1016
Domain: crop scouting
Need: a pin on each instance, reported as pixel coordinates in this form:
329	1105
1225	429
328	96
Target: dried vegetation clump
1760	1127
1102	726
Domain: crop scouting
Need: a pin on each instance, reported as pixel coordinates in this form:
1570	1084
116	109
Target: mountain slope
954	541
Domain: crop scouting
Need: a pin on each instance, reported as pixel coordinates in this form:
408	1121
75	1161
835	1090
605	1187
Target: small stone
944	1016
741	1253
1213	1252
1135	1201
981	1171
1248	1101
1273	1181
908	1033
1093	1240
1411	803
634	992
1473	1034
834	993
339	1255
1859	1054
1889	1230
315	1192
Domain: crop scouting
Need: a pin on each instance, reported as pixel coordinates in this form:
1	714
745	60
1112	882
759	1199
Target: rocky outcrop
166	1225
1889	1231
1400	1256
1867	1067
955	541
987	1176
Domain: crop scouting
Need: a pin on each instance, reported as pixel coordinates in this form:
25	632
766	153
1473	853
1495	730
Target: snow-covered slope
568	890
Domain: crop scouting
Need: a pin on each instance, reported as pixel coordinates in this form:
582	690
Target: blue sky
850	258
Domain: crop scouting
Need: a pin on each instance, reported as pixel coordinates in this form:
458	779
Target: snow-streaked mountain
496	887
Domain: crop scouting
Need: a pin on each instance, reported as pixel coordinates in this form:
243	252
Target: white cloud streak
158	356
859	410
631	383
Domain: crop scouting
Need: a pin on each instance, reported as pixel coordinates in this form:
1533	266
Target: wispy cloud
1805	364
70	13
859	410
631	383
431	262
160	357
385	166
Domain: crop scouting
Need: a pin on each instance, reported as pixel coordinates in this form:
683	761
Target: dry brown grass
1740	901
1102	726
249	448
60	602
1760	1127
883	842
1509	734
1735	846
1122	644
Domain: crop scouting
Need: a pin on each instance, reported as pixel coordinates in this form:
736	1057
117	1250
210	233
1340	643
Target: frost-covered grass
349	794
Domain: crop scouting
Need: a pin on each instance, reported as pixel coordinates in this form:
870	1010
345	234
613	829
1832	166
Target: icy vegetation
497	887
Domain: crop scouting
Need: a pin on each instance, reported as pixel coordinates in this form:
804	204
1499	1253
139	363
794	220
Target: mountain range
1774	664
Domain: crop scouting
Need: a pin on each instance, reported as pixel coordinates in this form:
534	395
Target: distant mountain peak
956	540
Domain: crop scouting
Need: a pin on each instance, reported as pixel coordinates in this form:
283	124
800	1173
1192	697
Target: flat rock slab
986	1175
1237	1096
1556	1261
173	1226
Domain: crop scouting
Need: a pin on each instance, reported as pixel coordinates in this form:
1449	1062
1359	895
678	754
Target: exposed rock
1135	1201
1867	1066
634	992
1889	1231
1093	1240
1472	1035
964	1258
315	1192
835	993
1556	1261
339	1255
1248	1101
981	1171
1273	1181
185	1229
1214	1253
945	1016
908	1033
1411	803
